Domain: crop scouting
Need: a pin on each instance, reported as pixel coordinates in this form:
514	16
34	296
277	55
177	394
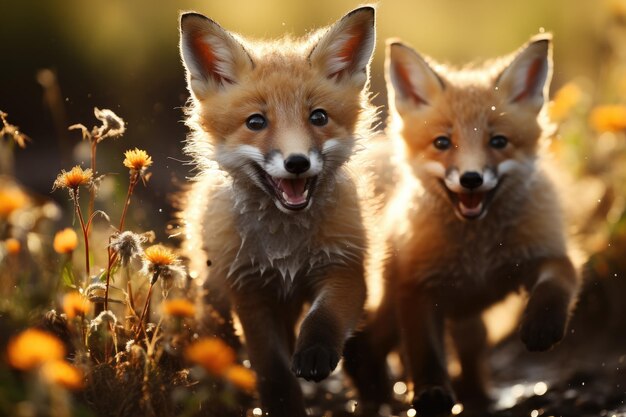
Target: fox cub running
475	219
274	211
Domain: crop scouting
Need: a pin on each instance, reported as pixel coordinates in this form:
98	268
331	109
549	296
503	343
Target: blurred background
60	59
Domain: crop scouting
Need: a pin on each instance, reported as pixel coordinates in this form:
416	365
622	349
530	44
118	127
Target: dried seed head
113	126
65	241
73	179
127	245
106	316
12	132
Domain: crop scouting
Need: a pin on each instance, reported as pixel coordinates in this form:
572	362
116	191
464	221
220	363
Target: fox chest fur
469	265
249	243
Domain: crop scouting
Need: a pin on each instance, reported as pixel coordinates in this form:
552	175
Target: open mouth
292	193
471	204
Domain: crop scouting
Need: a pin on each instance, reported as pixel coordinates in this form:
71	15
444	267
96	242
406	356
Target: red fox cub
273	209
474	219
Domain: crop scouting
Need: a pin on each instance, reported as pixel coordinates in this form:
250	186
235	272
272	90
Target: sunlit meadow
98	315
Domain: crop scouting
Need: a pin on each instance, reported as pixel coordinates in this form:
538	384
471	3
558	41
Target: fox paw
314	363
541	329
434	401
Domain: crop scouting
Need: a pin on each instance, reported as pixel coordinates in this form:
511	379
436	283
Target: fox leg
334	313
269	333
470	339
366	354
421	329
551	299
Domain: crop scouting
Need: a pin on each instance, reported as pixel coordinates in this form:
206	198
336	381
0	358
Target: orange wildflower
62	373
11	199
609	118
159	255
73	179
32	348
137	160
212	354
65	241
564	101
13	246
179	308
241	377
75	304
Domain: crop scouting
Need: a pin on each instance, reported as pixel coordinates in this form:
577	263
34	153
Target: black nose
471	180
297	164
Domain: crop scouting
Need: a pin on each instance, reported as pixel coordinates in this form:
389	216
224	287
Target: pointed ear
413	82
345	50
212	57
527	79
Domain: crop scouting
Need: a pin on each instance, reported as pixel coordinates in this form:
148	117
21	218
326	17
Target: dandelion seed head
127	245
179	308
73	179
62	373
32	348
65	241
212	354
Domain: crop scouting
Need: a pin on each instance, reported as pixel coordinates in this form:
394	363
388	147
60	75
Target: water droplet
411	412
542	30
493	108
534	413
399	388
457	409
257	412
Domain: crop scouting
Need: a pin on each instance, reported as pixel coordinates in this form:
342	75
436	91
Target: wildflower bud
12	246
179	308
11	199
63	374
75	304
32	348
212	354
73	179
65	241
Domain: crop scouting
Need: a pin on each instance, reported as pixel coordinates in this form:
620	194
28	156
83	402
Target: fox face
471	136
281	116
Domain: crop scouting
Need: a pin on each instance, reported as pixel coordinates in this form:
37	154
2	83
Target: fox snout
471	180
297	164
470	191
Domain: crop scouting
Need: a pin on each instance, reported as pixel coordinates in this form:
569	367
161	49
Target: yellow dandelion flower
241	377
609	118
564	101
212	354
11	199
137	160
32	348
65	241
159	255
12	246
179	308
75	304
62	373
74	178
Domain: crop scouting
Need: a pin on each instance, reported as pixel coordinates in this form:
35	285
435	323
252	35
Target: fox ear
212	57
410	80
346	48
527	78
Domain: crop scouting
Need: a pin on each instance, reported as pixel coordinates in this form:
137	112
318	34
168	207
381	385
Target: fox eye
498	142
318	117
442	143
256	122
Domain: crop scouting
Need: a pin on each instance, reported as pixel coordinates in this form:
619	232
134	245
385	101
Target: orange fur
279	235
454	246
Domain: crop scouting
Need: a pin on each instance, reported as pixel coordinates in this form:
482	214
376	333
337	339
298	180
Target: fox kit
474	219
274	211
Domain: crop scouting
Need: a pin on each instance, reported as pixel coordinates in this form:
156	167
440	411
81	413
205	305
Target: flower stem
85	232
134	179
92	190
147	303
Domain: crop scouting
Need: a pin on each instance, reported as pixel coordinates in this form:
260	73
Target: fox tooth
305	194
285	197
